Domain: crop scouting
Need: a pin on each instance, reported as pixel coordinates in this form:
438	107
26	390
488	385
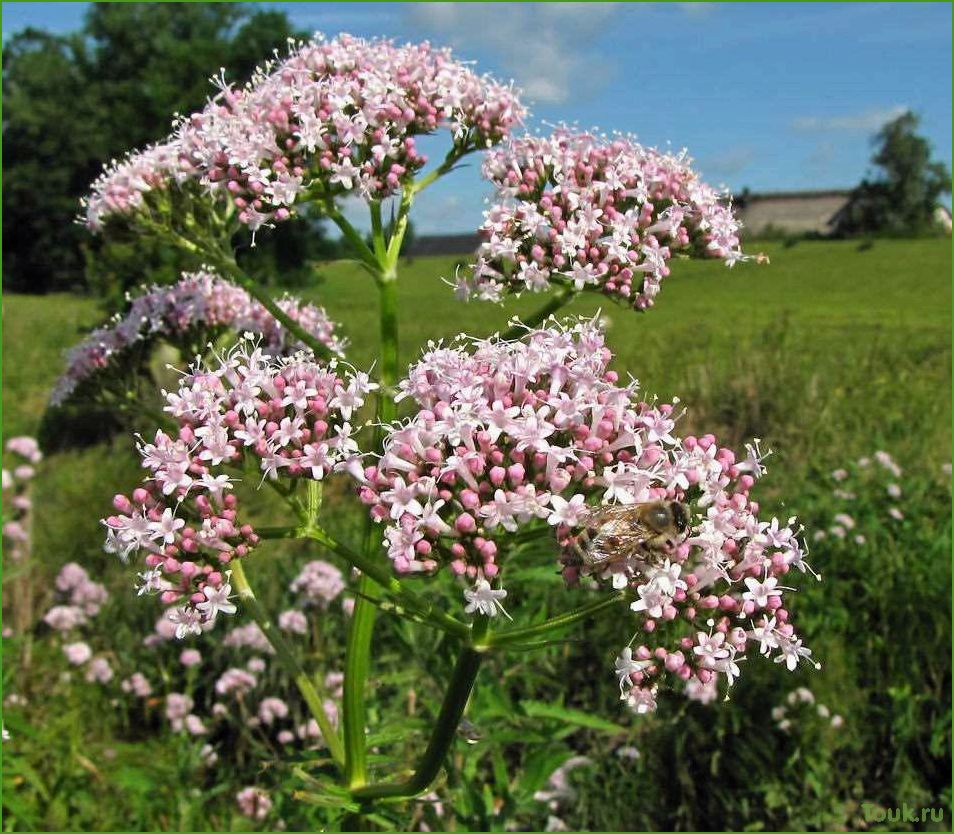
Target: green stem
452	710
519	635
357	664
227	263
377	232
561	298
381	260
277	532
351	234
393	251
381	576
283	652
389	347
453	156
361	631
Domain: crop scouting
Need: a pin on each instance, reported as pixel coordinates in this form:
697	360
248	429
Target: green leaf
538	767
540	709
325	800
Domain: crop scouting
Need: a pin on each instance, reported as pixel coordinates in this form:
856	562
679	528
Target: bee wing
613	533
594	518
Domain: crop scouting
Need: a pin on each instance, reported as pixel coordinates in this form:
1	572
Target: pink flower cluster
287	415
80	598
332	118
513	434
200	301
125	184
16	499
320	583
248	636
26	447
254	803
585	211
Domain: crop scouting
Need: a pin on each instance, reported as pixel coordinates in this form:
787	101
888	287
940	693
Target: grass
830	352
837	296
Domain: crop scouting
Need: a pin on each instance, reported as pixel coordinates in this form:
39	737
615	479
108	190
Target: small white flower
566	512
188	621
485	600
666	577
641	701
151	582
166	527
626	666
216	600
765	634
760	592
652	600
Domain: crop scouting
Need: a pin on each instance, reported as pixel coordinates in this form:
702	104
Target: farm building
784	212
790	212
773	212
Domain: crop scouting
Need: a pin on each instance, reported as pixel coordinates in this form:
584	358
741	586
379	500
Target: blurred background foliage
73	102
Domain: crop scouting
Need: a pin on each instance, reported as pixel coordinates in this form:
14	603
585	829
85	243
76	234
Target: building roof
795	195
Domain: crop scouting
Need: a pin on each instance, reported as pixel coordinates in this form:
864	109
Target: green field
831	352
855	322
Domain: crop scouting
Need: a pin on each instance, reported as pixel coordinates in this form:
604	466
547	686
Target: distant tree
902	196
70	103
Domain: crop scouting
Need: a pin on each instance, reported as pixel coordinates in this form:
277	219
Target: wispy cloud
867	121
551	50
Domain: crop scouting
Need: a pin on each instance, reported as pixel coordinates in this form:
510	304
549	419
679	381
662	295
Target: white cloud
550	49
867	121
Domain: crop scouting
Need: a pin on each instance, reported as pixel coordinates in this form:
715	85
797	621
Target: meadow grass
838	297
830	338
828	353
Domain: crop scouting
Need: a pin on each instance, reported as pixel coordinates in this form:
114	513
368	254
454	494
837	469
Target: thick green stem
357	663
452	710
519	635
389	347
361	632
561	298
382	260
283	652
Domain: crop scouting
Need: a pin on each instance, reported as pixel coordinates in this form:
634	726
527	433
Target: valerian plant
482	445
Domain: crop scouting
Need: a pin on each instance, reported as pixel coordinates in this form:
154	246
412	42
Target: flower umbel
280	415
529	435
587	211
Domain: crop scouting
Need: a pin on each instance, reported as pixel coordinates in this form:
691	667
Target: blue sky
773	96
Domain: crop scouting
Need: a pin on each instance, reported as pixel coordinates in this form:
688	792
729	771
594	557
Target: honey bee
647	532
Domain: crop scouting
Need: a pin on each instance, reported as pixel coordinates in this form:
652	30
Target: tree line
71	102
